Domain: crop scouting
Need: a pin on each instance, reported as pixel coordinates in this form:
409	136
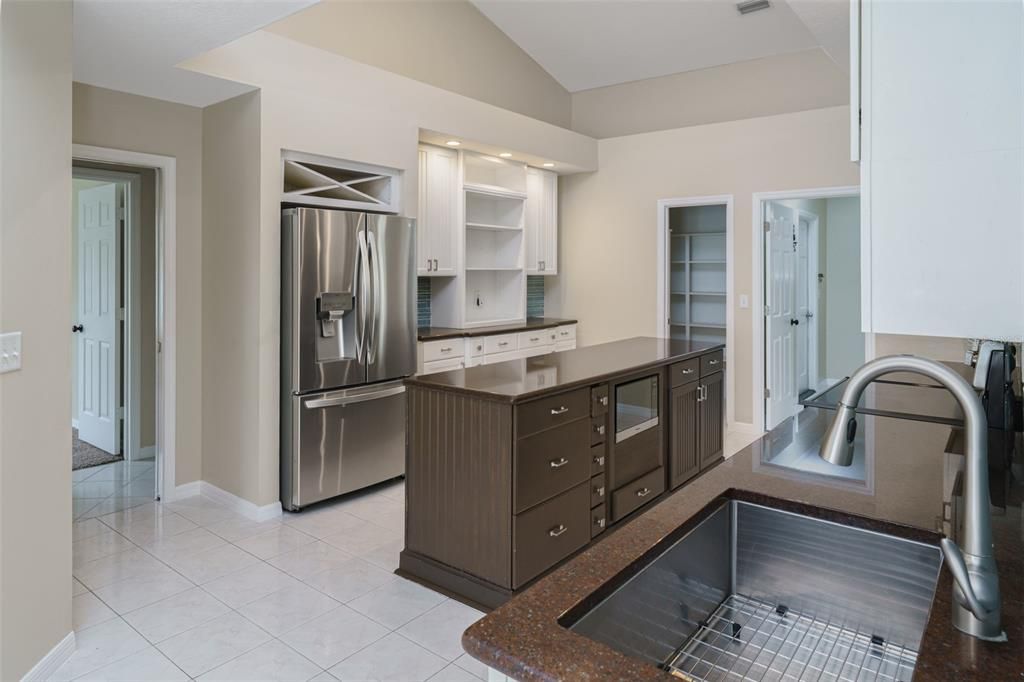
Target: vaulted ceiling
597	43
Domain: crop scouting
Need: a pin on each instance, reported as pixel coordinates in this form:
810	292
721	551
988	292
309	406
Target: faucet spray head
837	445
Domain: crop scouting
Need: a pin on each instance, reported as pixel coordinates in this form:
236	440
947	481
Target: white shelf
697	272
491	269
707	293
494	191
494	228
707	326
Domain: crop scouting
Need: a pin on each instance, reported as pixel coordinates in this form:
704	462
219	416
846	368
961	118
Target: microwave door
330	298
391	336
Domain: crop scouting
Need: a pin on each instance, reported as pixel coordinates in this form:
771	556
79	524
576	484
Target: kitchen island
513	467
904	493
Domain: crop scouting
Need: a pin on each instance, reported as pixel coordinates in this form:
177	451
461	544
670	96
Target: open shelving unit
697	272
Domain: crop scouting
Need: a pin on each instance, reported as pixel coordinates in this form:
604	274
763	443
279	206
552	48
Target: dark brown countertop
525	378
438	333
903	495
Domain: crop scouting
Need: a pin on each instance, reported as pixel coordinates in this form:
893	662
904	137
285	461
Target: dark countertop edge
424	334
595	379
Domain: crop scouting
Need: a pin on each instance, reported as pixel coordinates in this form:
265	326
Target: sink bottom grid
748	639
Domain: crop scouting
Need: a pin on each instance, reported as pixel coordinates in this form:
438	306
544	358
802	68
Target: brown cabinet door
711	419
684	427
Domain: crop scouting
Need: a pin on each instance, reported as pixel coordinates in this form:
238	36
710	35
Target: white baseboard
48	664
182	491
147	452
744	427
238	504
74	423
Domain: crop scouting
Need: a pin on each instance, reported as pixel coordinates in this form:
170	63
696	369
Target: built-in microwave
636	406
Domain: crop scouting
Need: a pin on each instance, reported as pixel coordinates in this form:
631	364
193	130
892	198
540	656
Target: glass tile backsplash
423	301
535	295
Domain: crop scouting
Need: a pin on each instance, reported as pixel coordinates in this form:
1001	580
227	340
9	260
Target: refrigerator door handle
376	295
362	349
343	398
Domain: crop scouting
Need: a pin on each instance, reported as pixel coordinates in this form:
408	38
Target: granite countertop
902	495
438	333
515	380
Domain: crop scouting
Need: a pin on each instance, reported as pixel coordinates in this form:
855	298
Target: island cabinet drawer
599	400
550	532
549	411
685	372
711	363
634	495
550	462
635	456
443	349
598	520
500	343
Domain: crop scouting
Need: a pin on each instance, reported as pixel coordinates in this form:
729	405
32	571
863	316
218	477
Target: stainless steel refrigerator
348	337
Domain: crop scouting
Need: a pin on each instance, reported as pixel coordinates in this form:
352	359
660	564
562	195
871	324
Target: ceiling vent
752	6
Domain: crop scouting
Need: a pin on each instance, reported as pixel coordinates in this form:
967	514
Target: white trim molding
166	314
233	502
54	659
757	289
662	298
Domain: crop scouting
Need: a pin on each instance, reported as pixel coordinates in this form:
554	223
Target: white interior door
780	287
98	369
803	307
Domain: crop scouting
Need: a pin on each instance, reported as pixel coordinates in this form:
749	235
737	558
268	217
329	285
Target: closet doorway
695	274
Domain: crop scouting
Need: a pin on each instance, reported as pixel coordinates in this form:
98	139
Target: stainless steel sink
756	593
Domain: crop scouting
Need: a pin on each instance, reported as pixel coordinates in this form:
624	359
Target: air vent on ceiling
752	6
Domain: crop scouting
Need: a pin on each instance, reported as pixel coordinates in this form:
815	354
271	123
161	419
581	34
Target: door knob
794	321
77	328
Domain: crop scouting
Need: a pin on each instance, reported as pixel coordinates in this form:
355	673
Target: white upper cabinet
942	167
541	222
439	226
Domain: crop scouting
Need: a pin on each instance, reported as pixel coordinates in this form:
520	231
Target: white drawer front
567	332
565	345
492	358
444	349
501	343
538	339
441	366
475	346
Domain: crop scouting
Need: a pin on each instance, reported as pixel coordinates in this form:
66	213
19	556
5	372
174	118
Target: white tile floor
191	590
111	487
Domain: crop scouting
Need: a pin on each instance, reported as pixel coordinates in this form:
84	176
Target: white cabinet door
541	222
438	225
942	168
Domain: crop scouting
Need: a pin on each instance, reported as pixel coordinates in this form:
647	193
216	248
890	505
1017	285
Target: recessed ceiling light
749	6
453	143
505	155
549	165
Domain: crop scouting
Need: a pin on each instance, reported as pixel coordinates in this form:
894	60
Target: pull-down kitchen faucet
976	609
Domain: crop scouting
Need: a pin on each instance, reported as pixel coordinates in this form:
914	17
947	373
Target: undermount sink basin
757	593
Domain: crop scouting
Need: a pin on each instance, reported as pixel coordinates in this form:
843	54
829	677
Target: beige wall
35	412
106	118
307	104
447	43
798	81
231	172
608	219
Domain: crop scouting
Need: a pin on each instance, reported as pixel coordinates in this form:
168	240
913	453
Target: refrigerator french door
347	341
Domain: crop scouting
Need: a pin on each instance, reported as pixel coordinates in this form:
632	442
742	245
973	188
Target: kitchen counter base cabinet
696	406
501	490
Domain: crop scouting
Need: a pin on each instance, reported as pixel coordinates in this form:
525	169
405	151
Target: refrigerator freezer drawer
341	441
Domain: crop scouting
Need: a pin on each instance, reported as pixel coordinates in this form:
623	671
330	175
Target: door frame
813	225
757	349
661	294
130	379
166	316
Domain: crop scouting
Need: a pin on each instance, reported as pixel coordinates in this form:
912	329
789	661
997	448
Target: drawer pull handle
555	532
643	492
688	371
600	522
599	491
712	362
604	401
599	429
599	461
564	333
561	410
557	463
447	349
534	339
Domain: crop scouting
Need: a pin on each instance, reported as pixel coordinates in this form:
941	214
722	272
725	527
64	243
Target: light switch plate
10	352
